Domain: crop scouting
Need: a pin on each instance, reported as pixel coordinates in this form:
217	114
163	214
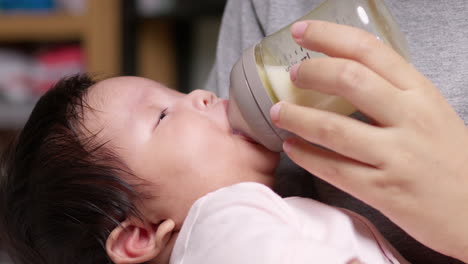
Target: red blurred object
55	63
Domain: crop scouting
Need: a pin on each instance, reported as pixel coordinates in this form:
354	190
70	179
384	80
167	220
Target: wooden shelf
98	30
41	27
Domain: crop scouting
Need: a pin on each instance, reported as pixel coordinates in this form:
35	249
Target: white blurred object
152	7
15	80
76	7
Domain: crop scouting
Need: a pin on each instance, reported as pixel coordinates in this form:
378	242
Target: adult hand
411	163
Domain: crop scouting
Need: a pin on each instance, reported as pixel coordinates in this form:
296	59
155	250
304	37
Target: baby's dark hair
62	191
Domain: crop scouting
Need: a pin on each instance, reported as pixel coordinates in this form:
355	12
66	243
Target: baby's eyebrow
145	95
137	97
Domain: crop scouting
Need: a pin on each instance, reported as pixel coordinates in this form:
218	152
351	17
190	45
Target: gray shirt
437	33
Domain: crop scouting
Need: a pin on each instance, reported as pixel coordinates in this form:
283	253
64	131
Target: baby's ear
134	242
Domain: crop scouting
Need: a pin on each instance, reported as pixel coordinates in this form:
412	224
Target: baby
126	170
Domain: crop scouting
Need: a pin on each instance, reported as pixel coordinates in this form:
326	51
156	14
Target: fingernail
298	29
288	144
293	72
274	112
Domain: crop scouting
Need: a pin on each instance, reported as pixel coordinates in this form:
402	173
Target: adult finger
344	135
344	173
356	44
367	91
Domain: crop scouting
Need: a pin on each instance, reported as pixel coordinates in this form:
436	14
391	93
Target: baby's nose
202	99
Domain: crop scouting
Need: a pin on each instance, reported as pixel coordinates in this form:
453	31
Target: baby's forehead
122	92
107	101
119	87
112	100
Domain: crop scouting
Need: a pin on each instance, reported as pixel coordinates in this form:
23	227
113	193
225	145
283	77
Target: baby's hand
411	163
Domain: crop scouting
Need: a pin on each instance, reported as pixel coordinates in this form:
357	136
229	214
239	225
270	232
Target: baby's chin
254	154
266	160
244	137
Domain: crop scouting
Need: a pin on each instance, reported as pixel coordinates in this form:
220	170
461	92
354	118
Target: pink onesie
248	223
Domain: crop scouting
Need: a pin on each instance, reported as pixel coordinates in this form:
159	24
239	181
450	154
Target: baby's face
182	144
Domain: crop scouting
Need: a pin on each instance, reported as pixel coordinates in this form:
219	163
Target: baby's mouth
243	136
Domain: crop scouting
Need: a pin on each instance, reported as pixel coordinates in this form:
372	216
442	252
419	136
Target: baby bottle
260	78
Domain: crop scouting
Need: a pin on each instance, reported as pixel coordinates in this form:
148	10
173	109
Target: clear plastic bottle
261	76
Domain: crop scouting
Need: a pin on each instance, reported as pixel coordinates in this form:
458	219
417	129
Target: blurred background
171	41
